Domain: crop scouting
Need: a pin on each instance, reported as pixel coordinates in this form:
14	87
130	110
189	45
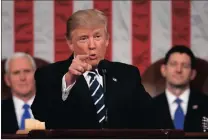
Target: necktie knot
92	75
26	107
178	101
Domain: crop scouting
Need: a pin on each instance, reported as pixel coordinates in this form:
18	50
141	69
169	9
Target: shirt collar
85	74
18	103
184	96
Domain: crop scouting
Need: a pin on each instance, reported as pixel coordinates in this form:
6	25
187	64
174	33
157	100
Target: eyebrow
85	34
25	69
97	31
82	34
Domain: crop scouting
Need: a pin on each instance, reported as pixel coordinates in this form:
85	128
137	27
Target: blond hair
85	18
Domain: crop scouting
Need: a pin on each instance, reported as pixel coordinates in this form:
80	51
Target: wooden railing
107	133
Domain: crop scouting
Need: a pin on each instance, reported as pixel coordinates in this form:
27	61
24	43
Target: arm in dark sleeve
143	103
40	103
48	105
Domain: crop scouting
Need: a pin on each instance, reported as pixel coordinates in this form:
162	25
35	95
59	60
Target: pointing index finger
82	57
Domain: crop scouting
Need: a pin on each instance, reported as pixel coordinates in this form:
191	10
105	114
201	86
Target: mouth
92	56
178	77
22	85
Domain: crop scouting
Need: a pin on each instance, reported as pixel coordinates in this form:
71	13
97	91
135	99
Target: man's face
91	41
20	77
178	71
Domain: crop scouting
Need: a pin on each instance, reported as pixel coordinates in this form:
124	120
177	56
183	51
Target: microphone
102	69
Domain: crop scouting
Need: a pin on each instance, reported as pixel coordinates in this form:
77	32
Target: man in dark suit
180	106
19	76
70	93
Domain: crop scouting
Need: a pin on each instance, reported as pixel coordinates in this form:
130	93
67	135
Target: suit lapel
112	87
82	88
12	116
166	110
192	104
192	111
83	95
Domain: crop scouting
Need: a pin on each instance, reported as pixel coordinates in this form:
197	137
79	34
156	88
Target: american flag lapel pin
195	107
114	79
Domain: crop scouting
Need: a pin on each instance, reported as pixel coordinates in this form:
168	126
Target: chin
93	62
179	85
24	92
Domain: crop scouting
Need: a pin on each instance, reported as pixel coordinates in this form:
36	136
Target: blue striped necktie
25	115
96	91
179	115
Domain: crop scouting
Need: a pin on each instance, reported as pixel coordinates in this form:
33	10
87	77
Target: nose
22	76
91	43
179	68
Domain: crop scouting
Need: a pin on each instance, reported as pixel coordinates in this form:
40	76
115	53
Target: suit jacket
8	117
128	103
197	108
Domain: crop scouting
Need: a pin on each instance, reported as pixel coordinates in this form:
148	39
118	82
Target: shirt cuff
66	90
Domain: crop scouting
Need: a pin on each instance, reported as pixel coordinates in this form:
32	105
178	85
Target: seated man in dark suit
19	76
70	93
180	106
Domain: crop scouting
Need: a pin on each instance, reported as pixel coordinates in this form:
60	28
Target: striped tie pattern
96	91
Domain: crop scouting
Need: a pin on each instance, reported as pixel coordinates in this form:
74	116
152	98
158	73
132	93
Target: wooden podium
107	133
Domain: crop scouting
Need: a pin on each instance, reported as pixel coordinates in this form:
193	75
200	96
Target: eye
97	36
83	37
173	64
16	72
27	71
187	66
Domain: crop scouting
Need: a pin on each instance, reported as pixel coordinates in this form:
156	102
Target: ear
6	79
107	40
163	70
69	43
193	74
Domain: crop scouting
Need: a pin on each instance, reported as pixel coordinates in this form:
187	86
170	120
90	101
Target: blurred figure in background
19	77
180	106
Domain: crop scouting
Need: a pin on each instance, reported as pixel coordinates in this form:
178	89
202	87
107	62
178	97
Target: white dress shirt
18	106
173	105
66	90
